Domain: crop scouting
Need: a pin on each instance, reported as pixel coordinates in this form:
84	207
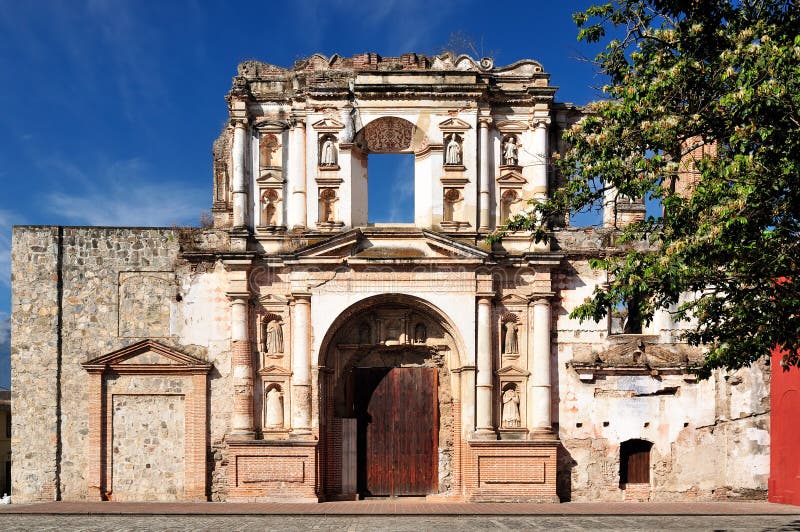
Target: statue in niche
511	346
274	408
508	198
268	147
364	334
393	329
327	153
510	416
420	333
510	150
269	208
327	201
453	151
273	337
451	197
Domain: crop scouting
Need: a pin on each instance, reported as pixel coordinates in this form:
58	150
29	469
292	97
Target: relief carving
388	135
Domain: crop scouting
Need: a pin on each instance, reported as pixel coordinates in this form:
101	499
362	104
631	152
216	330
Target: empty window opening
391	188
634	462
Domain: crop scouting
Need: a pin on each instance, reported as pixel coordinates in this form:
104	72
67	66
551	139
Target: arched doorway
389	407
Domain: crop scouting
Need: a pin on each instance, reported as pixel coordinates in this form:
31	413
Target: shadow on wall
564	474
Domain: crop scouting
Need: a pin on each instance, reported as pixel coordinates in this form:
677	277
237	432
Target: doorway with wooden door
397	427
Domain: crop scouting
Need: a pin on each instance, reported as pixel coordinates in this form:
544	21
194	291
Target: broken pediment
365	245
454	125
147	356
328	125
525	68
636	356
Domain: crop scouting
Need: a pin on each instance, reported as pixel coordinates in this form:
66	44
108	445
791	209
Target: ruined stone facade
249	361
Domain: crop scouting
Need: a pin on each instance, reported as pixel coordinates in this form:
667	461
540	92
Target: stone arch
395	345
391	134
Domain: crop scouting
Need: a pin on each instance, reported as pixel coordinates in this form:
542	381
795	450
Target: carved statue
327	203
328	156
453	154
510	151
274	409
420	333
451	197
511	345
511	408
269	209
273	343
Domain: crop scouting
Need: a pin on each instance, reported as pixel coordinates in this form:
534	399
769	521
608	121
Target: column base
542	433
272	471
244	435
485	434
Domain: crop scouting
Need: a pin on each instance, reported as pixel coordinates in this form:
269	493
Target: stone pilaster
484	213
483	414
242	426
540	390
301	365
540	153
297	174
239	154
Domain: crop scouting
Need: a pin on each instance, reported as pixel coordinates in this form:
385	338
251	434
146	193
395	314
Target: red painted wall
784	475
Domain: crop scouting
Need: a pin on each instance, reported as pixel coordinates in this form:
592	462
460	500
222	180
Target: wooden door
784	475
398	418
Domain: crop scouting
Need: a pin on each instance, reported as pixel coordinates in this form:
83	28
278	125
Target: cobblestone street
394	523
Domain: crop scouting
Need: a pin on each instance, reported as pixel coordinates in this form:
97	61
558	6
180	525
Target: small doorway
634	462
397	431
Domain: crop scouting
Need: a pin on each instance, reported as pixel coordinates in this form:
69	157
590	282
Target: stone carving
510	151
507	200
327	155
268	151
274	402
453	151
327	205
420	333
510	417
511	345
269	207
273	337
388	135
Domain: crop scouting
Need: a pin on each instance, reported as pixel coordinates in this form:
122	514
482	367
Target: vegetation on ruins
717	81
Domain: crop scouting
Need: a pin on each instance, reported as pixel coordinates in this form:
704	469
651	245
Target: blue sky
110	107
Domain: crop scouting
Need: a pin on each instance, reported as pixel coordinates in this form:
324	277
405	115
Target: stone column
484	221
242	370
540	156
540	399
301	365
238	153
483	409
297	176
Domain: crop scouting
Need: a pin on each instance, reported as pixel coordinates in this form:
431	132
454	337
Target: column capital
239	121
541	298
485	298
298	119
540	121
301	297
484	121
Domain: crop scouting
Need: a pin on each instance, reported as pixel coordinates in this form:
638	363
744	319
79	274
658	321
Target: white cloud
125	193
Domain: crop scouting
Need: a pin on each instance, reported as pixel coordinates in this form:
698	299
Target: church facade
293	351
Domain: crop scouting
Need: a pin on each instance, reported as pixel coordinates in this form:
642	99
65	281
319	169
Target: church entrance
397	430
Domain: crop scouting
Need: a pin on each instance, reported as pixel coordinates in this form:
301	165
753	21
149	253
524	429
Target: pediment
269	125
511	371
386	244
514	300
328	125
454	124
147	356
636	353
511	178
273	299
274	371
511	126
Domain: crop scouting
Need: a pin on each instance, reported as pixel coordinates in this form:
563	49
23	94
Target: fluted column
483	414
484	213
297	175
540	156
301	365
242	370
540	398
238	154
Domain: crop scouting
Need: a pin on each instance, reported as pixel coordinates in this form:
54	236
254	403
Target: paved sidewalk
405	507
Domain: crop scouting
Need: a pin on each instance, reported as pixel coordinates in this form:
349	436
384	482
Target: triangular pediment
511	371
513	299
389	244
511	126
274	371
511	178
149	356
328	125
454	124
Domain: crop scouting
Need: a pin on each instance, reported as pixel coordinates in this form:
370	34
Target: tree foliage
683	75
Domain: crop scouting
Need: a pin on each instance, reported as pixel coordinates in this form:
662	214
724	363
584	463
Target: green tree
717	81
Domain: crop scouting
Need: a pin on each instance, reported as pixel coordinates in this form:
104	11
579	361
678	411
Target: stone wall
116	286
